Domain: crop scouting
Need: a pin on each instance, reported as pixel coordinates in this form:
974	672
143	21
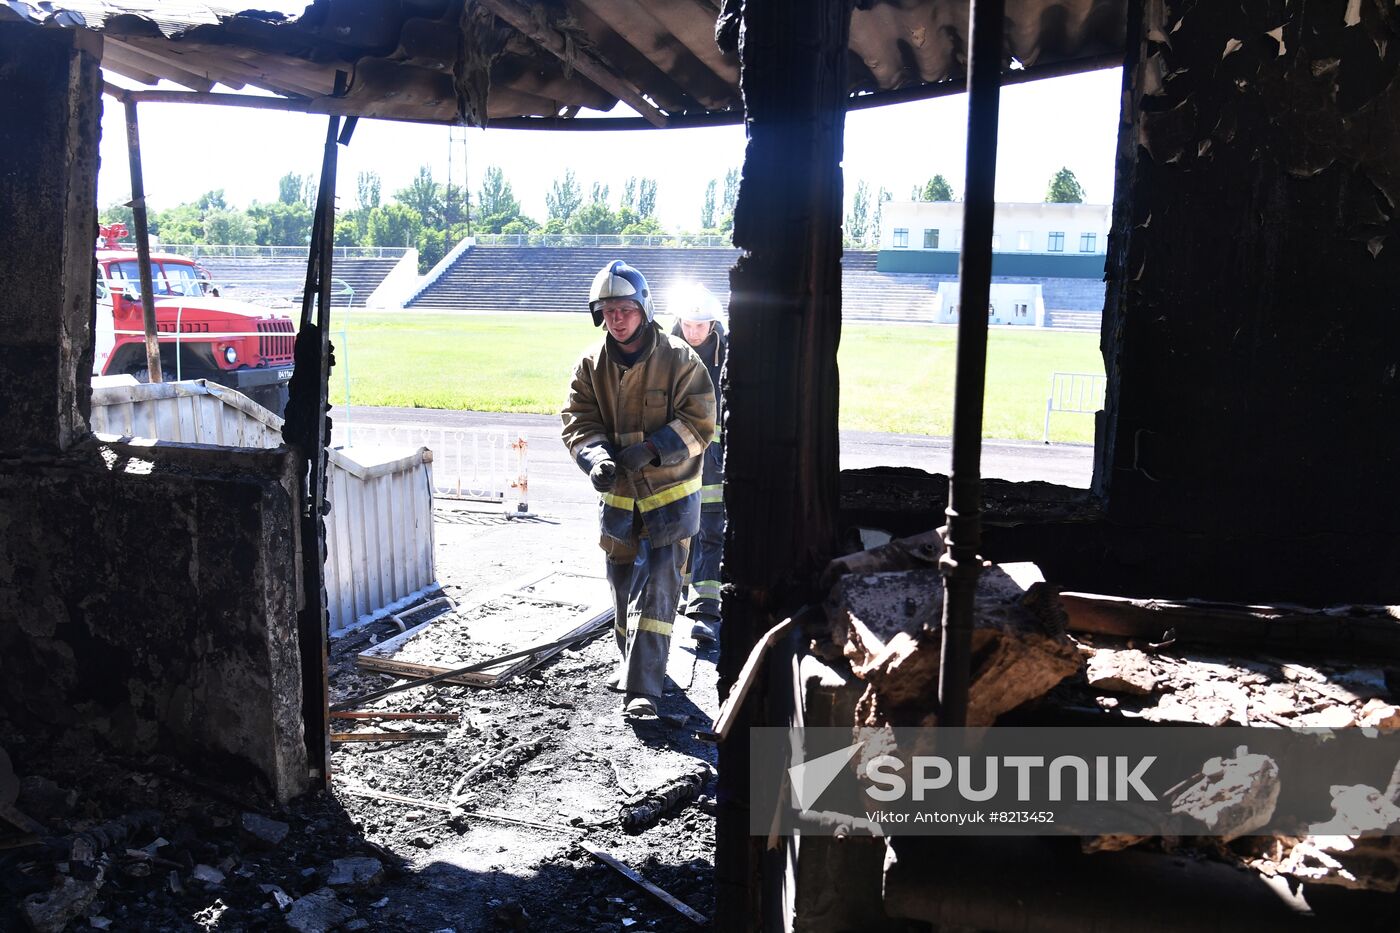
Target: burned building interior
162	605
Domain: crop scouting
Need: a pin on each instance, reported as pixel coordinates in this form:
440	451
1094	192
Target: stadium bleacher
256	279
524	278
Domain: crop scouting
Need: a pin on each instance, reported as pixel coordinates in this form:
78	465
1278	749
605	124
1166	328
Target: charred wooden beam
587	64
781	387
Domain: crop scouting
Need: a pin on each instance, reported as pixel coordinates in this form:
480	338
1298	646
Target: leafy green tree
707	208
281	224
496	196
296	189
350	228
1064	189
629	193
564	197
119	214
858	220
393	225
646	198
731	191
425	197
599	194
877	213
211	201
594	217
183	223
367	187
936	189
229	226
643	226
520	226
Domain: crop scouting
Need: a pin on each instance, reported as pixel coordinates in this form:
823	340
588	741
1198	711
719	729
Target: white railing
679	240
297	253
379	531
481	464
439	270
1080	393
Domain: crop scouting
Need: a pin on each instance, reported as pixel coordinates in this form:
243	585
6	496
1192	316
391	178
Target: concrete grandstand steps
1074	320
507	278
252	278
510	278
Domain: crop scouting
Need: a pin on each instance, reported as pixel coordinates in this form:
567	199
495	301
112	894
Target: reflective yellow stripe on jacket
656	501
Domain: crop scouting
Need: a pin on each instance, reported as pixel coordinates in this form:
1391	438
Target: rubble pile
885	612
481	830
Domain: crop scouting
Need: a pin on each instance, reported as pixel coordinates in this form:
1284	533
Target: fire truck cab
201	335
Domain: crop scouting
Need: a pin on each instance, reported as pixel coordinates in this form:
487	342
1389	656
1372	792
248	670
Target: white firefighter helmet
619	280
694	302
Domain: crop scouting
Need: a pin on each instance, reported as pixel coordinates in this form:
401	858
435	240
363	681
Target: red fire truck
201	335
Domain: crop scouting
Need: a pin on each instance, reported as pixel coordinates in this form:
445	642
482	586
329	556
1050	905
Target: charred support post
308	428
781	395
143	242
961	564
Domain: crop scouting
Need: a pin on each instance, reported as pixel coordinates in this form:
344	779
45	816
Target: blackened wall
1251	334
147	591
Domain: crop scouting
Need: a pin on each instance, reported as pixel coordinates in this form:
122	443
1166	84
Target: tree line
432	216
427	214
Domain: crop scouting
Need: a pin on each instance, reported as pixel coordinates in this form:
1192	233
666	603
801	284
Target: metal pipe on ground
961	565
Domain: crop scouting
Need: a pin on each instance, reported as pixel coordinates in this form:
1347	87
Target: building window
930	239
1088	242
901	237
1023	240
1057	242
1022	310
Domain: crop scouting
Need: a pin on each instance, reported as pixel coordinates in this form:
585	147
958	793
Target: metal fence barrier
479	464
674	241
1080	393
300	253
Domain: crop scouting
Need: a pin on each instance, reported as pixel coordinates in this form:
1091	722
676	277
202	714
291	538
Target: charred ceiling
476	61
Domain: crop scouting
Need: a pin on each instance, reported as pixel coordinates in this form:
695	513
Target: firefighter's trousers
643	621
705	550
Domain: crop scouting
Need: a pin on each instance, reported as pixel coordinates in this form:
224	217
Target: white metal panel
379	534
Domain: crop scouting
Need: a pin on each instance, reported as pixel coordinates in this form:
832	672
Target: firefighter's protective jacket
712	353
665	397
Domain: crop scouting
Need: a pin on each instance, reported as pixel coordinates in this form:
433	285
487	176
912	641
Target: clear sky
188	150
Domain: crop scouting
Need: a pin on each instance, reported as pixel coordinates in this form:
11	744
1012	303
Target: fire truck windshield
167	278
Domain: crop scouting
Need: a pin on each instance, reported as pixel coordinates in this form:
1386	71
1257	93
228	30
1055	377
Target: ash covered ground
551	769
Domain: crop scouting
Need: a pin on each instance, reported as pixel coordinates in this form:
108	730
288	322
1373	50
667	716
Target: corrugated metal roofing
448	60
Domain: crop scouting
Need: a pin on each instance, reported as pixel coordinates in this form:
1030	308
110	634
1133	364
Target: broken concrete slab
887	625
1234	796
51	912
355	871
318	912
1368	863
1127	671
1377	714
259	829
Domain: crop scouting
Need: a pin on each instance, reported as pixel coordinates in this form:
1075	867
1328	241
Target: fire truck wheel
144	374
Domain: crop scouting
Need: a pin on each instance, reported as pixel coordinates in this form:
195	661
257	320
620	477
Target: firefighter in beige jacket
640	414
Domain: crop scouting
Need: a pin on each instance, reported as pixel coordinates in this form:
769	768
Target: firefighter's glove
603	475
639	455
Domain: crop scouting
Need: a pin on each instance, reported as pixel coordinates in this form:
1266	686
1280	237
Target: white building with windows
1047	259
1051	229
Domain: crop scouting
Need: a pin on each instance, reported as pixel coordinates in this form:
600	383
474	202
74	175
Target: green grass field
893	378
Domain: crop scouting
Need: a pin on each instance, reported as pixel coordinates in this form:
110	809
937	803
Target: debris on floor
885	611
